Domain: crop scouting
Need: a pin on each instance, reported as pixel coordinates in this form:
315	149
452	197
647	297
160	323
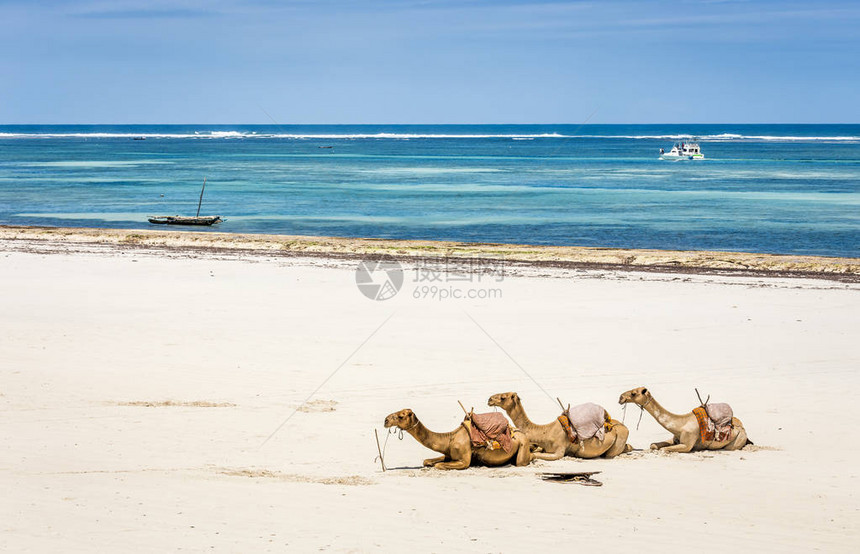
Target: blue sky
429	61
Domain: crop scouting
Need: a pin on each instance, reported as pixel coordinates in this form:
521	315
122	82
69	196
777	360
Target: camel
686	436
552	437
456	446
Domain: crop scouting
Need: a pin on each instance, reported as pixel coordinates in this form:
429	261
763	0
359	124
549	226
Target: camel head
639	396
504	400
403	419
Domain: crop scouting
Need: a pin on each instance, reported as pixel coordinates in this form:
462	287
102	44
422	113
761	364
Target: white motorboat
686	150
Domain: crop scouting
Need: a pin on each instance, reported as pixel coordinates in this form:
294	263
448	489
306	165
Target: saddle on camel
490	430
715	421
585	421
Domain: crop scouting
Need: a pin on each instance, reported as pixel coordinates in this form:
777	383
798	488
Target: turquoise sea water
762	188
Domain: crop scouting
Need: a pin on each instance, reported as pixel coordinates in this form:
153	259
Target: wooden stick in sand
378	449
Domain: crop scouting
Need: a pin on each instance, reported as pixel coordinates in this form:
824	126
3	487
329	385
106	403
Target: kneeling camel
456	446
686	435
552	437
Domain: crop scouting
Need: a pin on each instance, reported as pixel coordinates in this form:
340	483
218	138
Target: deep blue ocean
761	188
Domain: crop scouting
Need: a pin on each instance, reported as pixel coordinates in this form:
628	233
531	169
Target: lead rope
392	431
641	411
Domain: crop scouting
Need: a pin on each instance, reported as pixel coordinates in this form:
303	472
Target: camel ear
644	390
515	396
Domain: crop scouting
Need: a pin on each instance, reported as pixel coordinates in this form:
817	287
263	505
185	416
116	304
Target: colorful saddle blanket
585	421
491	430
715	422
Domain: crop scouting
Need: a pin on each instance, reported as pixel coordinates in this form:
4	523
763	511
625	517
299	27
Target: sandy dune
138	391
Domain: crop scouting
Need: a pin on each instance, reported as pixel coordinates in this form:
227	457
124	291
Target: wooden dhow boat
188	219
185	220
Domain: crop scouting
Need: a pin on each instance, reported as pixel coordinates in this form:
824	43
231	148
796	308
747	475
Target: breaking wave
252	135
242	135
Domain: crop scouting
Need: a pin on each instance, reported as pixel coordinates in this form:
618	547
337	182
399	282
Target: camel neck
438	442
669	421
522	421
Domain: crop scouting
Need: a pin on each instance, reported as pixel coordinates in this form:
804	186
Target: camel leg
663	444
455	464
524	456
459	456
430	462
620	444
679	448
557	455
686	444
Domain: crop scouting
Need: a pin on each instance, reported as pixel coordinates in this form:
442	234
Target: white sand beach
138	389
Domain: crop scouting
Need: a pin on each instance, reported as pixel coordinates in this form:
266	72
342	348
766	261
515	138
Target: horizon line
440	124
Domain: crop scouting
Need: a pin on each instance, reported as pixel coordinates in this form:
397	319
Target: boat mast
201	197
